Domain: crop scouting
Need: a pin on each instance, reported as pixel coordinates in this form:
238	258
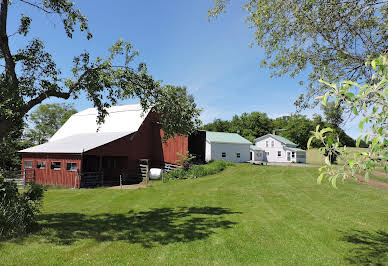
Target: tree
30	75
297	129
46	120
371	103
331	39
333	113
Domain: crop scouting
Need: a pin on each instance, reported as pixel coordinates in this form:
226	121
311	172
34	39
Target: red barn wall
146	143
48	176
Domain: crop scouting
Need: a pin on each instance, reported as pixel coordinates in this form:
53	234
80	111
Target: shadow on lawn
372	248
148	228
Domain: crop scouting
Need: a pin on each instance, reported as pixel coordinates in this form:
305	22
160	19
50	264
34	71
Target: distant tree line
295	127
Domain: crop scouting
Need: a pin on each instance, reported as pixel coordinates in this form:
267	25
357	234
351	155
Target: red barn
113	149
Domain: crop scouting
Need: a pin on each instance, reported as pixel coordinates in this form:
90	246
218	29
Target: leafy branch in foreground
330	39
369	101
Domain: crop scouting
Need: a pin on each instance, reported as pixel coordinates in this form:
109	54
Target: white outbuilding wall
214	152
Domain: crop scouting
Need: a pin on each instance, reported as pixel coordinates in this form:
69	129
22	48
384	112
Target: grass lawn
244	215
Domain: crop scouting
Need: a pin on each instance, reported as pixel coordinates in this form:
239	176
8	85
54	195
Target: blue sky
181	47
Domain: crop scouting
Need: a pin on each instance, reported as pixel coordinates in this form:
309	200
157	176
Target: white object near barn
155	173
279	149
224	146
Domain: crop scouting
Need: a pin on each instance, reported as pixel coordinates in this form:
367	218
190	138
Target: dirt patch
135	186
372	182
380	174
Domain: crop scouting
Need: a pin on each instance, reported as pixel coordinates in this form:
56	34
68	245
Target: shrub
198	170
18	210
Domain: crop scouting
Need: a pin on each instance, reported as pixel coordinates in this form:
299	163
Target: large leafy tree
30	75
46	120
330	39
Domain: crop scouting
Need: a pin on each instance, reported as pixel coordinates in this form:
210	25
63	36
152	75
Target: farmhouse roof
279	138
82	133
224	137
295	149
76	143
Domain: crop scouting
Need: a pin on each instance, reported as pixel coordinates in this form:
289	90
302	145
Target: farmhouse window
223	154
41	165
27	164
279	153
267	153
56	165
272	144
238	155
71	167
266	144
293	154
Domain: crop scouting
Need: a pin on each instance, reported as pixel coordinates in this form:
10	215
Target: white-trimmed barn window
27	164
223	154
279	153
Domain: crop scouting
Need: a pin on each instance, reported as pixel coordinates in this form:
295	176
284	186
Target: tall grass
196	171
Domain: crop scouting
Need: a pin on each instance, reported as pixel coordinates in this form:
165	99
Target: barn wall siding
48	176
146	143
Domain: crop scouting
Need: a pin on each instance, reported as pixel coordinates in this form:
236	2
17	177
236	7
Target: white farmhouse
226	146
279	149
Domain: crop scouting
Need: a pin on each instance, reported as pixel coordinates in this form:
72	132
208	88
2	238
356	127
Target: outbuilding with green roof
226	146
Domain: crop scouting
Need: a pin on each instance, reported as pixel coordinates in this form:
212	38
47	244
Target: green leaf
361	124
319	179
351	163
327	160
367	174
358	141
328	129
309	142
386	168
354	109
324	100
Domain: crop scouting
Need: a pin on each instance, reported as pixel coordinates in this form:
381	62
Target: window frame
39	165
293	154
71	169
24	165
272	143
266	144
223	154
238	155
279	153
56	169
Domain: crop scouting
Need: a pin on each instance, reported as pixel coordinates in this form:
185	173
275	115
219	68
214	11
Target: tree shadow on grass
371	249
148	228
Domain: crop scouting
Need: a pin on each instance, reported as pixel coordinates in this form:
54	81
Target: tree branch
35	5
4	46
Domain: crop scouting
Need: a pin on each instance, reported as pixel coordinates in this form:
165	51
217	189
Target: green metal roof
255	148
224	137
284	140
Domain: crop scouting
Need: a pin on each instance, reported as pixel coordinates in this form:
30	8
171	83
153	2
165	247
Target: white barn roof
125	118
79	133
77	143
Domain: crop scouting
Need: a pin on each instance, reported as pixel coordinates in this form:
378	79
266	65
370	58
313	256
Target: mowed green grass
244	215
